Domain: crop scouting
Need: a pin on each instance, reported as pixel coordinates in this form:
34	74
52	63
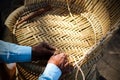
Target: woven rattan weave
77	35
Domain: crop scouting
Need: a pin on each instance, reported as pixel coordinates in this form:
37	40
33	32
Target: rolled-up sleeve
52	72
10	52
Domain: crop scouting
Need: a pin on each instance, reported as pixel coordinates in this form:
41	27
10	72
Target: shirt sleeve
52	72
10	52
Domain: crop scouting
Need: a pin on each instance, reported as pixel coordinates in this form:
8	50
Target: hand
61	61
42	51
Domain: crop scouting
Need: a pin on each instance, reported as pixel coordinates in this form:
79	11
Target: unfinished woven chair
80	28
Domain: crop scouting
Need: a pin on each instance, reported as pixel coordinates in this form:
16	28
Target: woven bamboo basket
80	28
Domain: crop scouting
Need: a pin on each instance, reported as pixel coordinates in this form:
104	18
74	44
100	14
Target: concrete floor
109	65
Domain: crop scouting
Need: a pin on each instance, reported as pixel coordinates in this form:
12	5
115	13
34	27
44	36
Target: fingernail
62	54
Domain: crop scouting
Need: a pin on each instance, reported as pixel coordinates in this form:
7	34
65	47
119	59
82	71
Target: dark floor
108	66
6	7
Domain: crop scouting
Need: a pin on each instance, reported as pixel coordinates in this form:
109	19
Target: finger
51	52
66	64
46	45
56	52
61	55
47	52
63	60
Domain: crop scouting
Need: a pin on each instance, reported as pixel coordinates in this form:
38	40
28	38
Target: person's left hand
42	51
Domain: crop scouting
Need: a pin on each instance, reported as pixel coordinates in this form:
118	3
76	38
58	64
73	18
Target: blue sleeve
52	72
10	53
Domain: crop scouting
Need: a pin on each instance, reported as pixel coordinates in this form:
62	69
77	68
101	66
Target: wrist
33	54
56	72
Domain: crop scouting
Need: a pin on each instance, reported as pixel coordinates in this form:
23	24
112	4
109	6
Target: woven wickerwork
77	34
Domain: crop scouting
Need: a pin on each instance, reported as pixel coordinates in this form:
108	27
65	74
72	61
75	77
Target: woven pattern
58	32
75	35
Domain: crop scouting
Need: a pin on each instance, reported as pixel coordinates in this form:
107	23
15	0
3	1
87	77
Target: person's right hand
61	61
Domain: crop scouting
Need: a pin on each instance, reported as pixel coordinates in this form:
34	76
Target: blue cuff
10	52
52	72
23	54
